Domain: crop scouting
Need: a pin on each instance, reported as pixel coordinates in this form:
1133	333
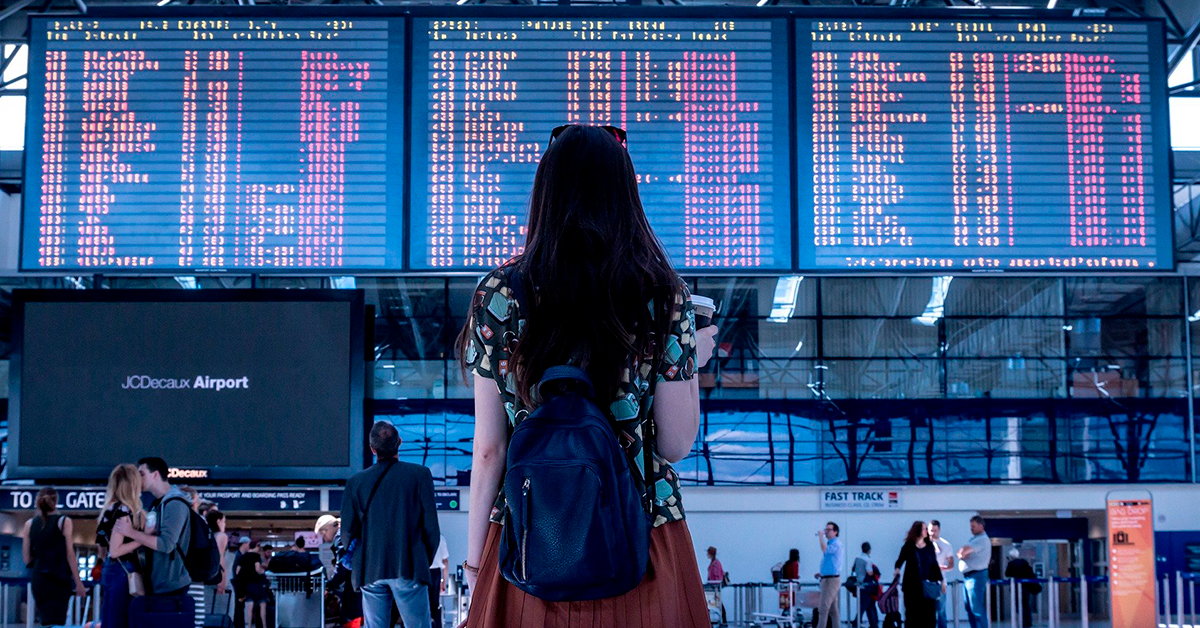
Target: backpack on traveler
202	560
575	527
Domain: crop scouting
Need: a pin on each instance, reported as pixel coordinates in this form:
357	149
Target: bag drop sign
860	499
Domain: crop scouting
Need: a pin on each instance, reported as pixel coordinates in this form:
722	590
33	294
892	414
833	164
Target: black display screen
245	386
704	102
214	144
974	144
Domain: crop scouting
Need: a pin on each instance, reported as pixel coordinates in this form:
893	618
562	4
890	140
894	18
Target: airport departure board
765	141
214	144
704	102
947	144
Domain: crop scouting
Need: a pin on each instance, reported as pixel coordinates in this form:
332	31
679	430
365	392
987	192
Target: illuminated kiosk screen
705	103
980	145
259	144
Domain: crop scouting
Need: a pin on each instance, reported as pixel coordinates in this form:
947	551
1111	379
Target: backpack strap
362	532
187	524
649	436
563	373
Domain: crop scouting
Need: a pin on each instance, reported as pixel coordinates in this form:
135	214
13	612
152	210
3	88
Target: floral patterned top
497	323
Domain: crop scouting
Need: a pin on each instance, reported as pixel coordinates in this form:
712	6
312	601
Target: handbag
931	589
137	586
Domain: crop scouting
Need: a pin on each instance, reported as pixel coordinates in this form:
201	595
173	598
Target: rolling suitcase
218	619
162	611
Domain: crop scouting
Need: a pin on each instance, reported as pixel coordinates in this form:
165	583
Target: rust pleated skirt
670	596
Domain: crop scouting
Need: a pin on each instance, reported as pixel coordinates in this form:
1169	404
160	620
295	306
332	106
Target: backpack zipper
525	533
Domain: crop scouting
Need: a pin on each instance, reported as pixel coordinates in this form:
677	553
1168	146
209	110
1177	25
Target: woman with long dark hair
49	552
601	295
920	607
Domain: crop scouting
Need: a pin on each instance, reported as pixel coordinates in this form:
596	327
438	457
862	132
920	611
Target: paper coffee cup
705	308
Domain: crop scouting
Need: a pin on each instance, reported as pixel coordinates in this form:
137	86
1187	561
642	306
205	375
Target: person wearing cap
327	528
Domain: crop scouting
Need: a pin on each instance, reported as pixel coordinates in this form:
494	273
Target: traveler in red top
716	571
592	318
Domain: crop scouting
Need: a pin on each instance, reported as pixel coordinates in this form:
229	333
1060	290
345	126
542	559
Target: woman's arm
904	556
488	459
222	545
68	530
26	549
677	404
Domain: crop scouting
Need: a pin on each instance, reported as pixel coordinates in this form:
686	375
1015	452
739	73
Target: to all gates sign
860	499
1131	562
68	500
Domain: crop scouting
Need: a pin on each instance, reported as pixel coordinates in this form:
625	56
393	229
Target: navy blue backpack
574	527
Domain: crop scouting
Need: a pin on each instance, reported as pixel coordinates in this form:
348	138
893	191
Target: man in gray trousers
389	508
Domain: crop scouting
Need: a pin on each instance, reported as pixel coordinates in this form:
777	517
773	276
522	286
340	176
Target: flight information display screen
214	144
982	144
705	104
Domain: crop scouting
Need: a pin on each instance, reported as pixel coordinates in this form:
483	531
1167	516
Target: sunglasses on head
615	131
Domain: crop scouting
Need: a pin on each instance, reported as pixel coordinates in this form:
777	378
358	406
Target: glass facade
857	380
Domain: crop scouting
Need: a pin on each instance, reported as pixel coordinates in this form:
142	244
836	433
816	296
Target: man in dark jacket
1020	569
389	508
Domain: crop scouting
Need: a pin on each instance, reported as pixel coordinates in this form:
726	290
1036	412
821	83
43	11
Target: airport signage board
1131	563
69	500
861	499
73	500
273	500
443	499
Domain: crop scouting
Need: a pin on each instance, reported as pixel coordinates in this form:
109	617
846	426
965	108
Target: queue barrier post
30	606
957	602
987	610
1178	599
1084	611
1192	597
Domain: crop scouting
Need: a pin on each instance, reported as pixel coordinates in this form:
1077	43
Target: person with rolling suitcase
167	539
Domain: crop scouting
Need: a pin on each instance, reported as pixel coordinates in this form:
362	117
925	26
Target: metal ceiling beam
14	8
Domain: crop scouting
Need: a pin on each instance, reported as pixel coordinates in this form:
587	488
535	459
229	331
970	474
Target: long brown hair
47	502
591	265
917	531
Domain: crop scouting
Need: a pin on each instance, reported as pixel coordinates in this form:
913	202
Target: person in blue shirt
830	576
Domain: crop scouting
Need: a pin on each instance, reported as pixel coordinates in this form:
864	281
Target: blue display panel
974	144
214	144
704	101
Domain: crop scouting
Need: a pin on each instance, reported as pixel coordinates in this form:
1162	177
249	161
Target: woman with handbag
923	584
121	576
600	295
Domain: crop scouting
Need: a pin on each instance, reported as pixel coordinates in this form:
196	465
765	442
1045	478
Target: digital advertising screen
222	384
976	144
239	144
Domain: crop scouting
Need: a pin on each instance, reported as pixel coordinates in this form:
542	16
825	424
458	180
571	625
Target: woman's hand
80	590
897	572
472	577
706	343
